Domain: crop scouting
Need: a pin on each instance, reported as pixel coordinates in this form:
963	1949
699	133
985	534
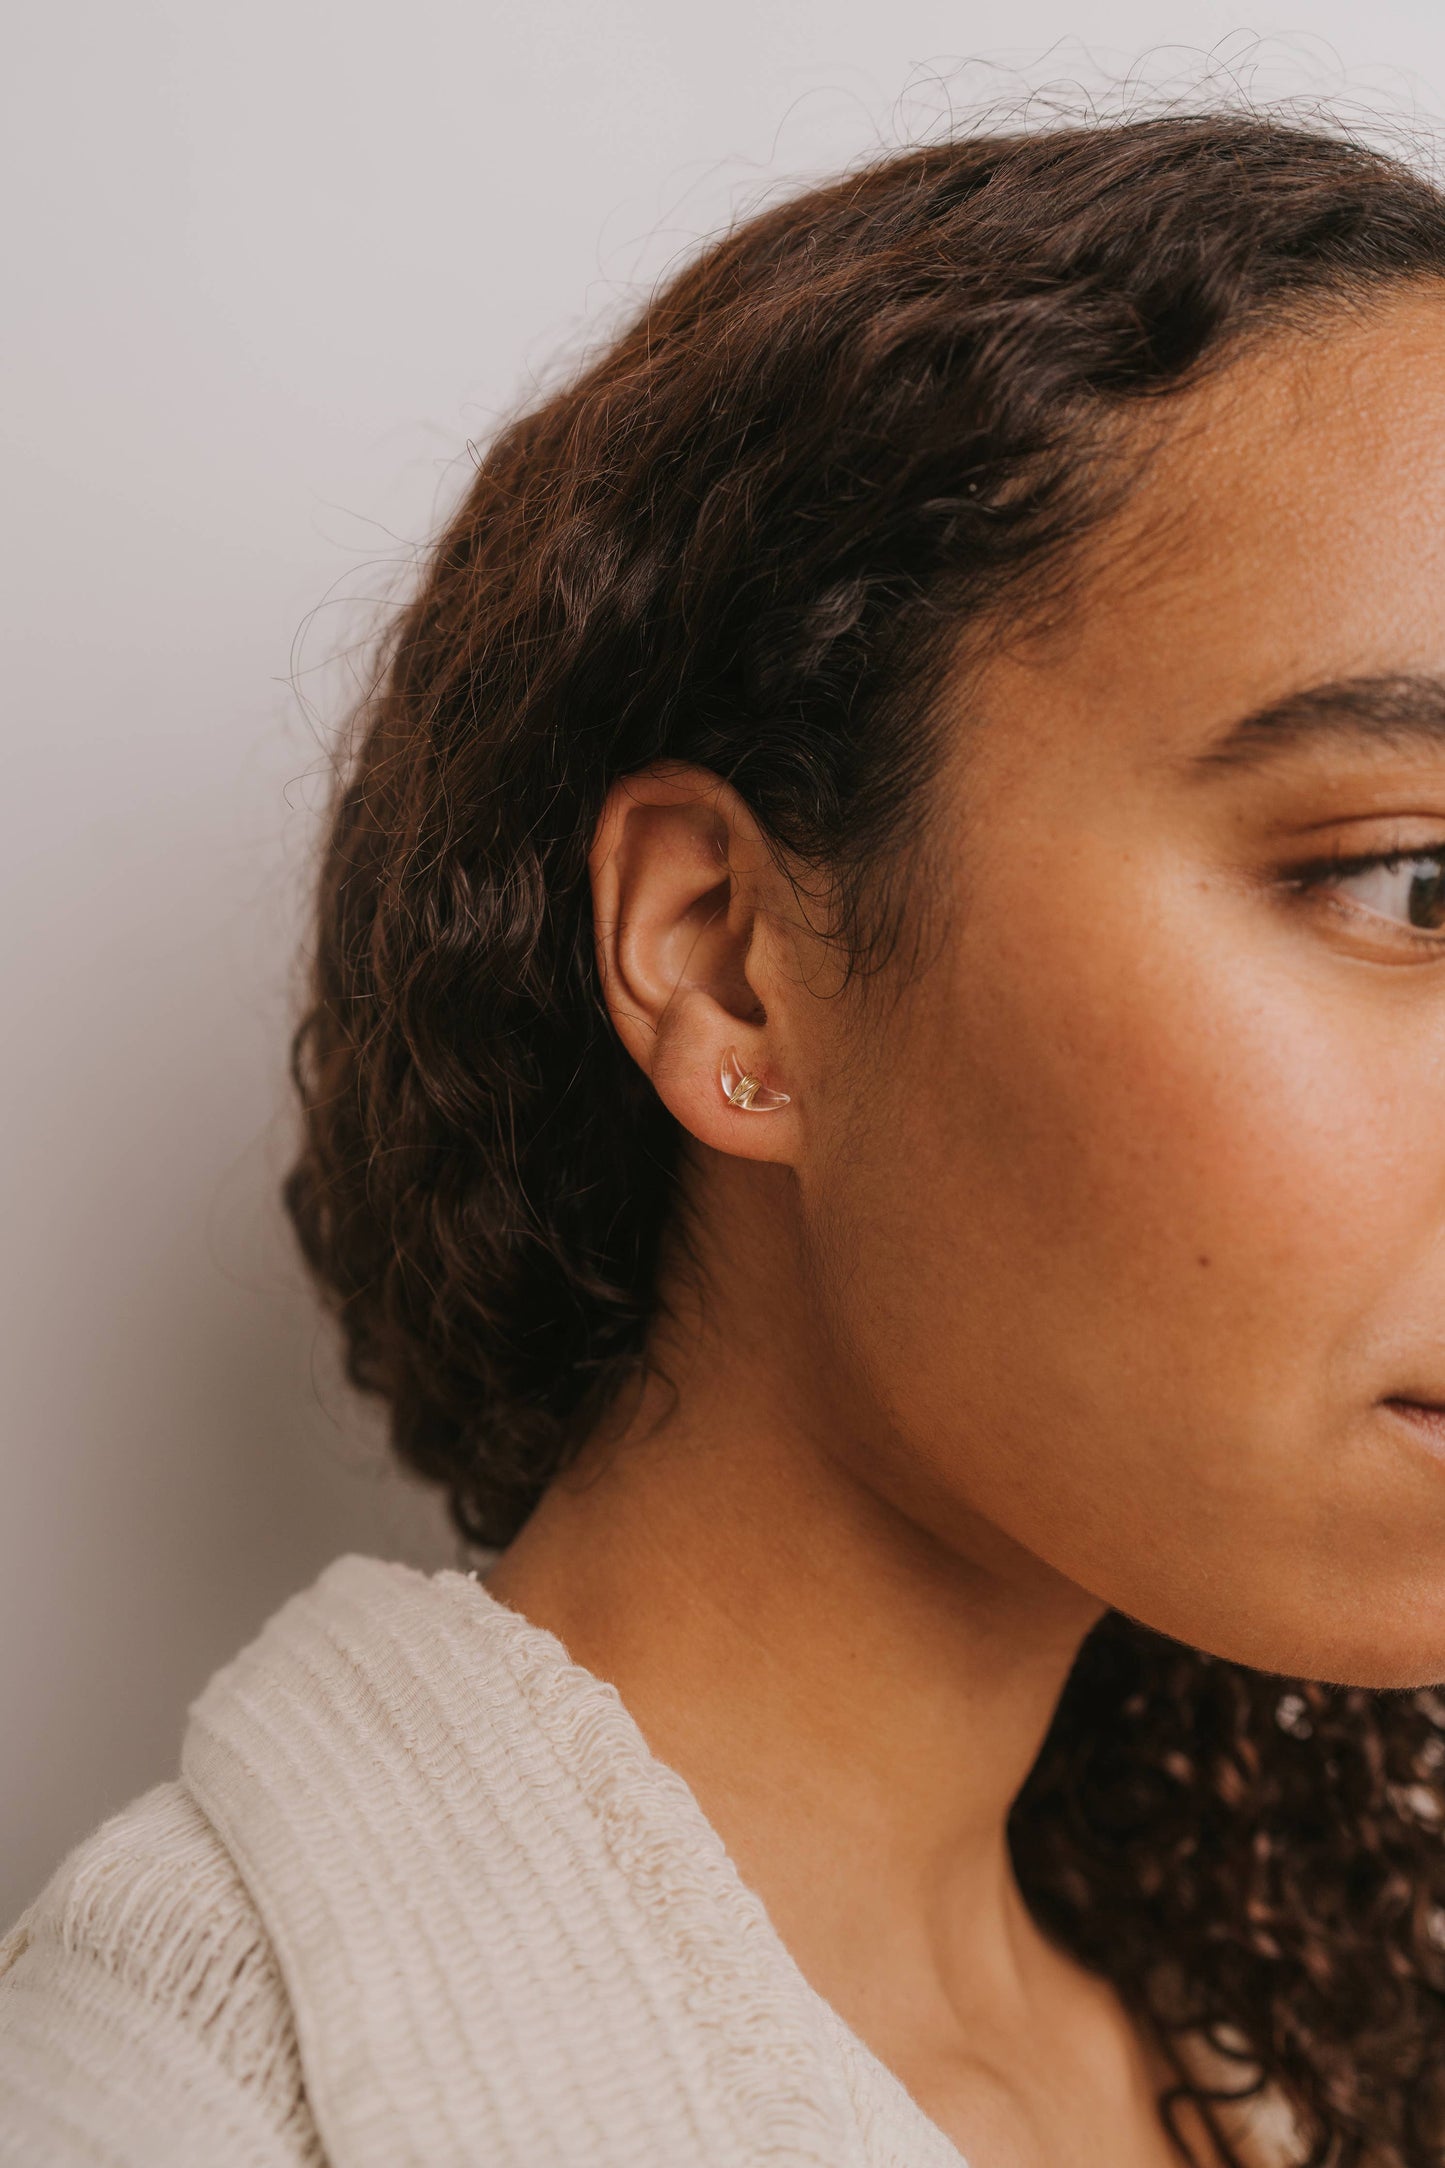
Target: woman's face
1137	1206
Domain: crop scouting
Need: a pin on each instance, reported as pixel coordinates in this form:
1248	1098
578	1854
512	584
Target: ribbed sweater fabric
422	1897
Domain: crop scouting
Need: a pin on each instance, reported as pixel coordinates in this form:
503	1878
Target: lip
1425	1417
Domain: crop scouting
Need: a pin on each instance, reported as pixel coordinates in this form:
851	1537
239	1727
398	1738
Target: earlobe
741	1089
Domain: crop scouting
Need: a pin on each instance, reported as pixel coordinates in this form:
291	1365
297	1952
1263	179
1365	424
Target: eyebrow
1406	711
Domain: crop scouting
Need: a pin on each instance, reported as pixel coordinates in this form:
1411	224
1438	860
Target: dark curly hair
751	535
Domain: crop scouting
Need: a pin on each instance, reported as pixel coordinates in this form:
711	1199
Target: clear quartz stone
747	1091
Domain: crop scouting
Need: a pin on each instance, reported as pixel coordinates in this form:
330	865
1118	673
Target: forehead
1289	526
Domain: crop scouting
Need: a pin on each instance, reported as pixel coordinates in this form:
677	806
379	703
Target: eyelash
1324	873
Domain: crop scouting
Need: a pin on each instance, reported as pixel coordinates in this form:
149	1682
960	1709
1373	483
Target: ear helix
745	1091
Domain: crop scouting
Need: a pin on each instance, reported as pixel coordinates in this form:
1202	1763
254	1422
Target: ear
693	944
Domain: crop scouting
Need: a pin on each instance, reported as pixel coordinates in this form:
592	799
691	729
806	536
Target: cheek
1175	1131
1119	1244
1117	1253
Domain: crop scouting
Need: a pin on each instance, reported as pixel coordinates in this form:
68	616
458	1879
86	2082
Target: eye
1405	887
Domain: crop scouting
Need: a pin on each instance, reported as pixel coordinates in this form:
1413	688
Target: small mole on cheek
1202	1259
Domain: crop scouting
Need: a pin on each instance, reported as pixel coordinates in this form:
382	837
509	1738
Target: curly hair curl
751	535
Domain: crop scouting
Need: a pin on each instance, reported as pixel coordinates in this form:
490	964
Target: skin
1087	1268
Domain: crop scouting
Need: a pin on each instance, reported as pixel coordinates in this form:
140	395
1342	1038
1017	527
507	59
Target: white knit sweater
422	1898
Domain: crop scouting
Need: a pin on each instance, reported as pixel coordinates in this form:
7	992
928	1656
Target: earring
742	1090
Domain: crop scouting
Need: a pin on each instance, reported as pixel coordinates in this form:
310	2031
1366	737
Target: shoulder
142	2015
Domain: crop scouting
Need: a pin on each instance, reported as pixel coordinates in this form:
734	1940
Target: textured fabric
422	1898
142	2017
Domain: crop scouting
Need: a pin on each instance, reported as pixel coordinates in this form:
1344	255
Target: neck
853	1694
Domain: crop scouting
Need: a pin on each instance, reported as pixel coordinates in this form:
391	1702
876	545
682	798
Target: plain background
267	271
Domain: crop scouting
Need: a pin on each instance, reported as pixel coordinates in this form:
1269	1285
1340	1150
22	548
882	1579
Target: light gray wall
266	270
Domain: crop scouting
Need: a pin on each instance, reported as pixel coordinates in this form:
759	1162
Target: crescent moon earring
740	1089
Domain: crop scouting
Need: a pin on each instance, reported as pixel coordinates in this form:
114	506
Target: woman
873	1108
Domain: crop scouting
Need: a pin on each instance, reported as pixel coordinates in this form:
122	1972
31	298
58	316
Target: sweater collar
508	1932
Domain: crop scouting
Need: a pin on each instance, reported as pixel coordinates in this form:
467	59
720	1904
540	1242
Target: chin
1389	1641
1376	1659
